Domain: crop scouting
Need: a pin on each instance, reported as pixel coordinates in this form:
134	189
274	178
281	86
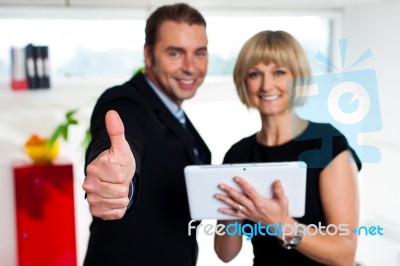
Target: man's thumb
115	129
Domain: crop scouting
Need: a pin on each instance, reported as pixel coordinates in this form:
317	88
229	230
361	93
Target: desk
45	219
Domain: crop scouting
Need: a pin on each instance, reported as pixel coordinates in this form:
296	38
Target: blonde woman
265	75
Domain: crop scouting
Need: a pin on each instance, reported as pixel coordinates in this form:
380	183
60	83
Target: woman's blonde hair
279	48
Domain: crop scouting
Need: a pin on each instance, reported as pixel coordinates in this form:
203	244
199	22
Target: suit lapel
163	113
203	145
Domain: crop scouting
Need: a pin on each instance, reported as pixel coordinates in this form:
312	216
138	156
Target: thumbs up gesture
108	177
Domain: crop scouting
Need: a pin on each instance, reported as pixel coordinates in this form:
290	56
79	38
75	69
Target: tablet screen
202	184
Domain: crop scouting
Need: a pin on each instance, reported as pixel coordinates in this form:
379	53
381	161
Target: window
98	47
78	48
228	34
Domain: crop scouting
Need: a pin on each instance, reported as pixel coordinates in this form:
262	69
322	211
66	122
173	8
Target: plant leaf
73	122
69	114
64	131
87	139
55	135
138	70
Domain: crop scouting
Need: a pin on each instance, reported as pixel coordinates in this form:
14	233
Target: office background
114	55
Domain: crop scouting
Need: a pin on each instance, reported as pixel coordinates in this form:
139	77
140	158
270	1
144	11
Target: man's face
180	60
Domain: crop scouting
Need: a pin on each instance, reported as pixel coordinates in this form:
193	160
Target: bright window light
90	48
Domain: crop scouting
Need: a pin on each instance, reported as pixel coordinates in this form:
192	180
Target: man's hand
108	177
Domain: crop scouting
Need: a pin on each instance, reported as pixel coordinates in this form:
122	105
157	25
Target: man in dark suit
134	176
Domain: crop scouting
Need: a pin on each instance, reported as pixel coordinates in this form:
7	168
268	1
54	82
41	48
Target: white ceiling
141	8
278	3
233	4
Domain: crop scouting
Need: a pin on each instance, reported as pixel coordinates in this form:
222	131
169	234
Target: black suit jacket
155	230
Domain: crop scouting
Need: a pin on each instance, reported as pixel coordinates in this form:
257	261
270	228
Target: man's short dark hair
180	13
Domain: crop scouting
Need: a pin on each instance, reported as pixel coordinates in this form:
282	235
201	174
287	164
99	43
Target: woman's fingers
279	192
236	196
248	189
251	205
236	209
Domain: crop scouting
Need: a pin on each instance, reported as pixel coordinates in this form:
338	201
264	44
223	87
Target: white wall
370	26
38	112
375	26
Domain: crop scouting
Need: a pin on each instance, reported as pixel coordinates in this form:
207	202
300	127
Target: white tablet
202	184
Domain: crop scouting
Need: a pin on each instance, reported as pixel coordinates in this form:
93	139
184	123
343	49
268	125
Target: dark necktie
180	115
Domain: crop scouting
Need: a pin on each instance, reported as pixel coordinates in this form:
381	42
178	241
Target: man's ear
148	56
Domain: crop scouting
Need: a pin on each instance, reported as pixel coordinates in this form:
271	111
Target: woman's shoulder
322	129
334	137
242	147
244	142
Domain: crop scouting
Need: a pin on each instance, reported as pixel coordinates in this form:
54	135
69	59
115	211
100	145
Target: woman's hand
250	205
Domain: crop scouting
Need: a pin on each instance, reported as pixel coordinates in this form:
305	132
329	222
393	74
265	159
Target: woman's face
268	86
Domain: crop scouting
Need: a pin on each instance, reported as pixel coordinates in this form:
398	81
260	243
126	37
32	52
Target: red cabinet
45	220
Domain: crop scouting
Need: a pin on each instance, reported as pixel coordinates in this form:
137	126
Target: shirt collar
171	106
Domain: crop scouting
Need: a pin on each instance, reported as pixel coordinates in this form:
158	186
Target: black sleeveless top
317	145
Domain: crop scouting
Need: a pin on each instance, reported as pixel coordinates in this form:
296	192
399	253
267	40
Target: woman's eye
254	75
279	73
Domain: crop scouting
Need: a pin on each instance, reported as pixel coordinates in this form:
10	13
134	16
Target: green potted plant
43	150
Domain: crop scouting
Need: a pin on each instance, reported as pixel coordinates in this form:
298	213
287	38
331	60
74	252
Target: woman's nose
267	83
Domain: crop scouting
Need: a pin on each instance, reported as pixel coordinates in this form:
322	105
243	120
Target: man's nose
188	64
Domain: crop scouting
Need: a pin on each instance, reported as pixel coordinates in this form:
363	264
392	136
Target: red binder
18	71
45	215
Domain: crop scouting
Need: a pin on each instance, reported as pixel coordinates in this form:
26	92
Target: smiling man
141	142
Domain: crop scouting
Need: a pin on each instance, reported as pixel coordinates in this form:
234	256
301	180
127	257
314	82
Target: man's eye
174	54
201	53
